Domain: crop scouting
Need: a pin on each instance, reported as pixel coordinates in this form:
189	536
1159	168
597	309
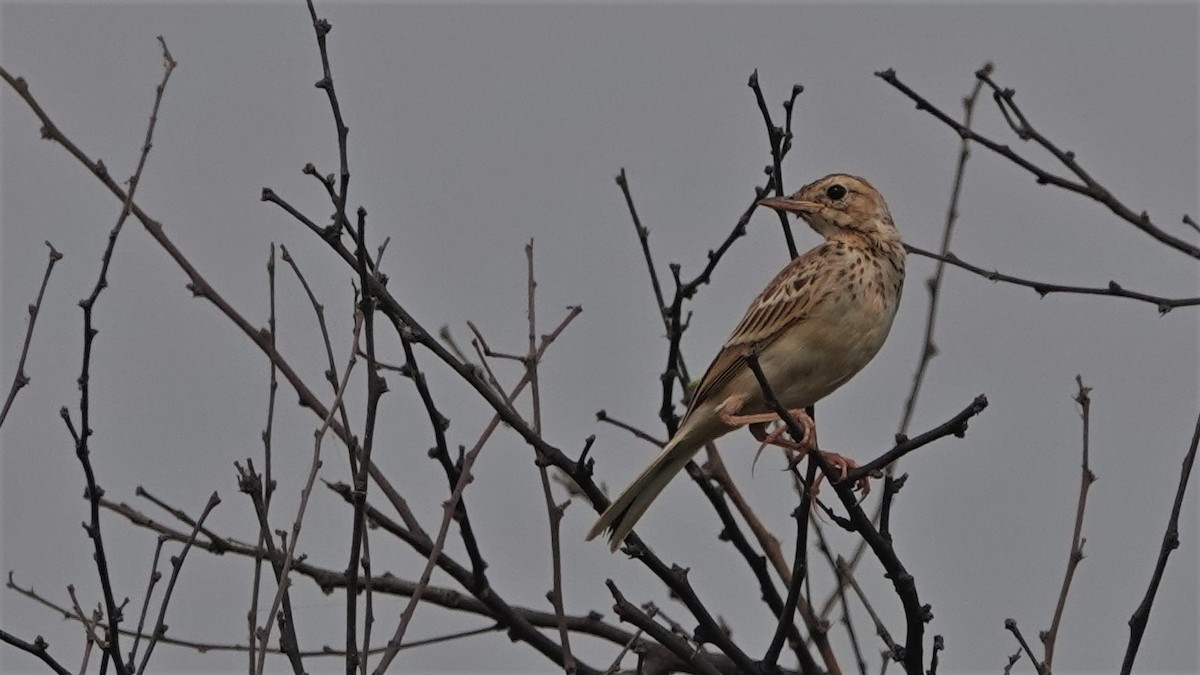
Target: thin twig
450	507
1043	288
376	387
934	283
553	511
680	647
1085	185
827	553
160	626
716	469
799	572
955	426
20	379
331	375
89	626
775	140
603	416
916	614
1170	542
846	576
1011	626
521	624
282	582
643	235
39	648
155	577
81	437
1084	398
177	513
267	437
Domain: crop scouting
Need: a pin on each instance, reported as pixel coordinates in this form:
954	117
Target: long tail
624	512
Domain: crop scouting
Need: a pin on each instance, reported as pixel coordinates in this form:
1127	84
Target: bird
816	324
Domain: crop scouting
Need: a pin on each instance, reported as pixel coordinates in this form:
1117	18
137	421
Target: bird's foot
844	465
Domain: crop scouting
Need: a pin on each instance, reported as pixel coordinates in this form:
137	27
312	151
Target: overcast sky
476	128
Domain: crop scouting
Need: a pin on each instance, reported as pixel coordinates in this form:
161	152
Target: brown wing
790	297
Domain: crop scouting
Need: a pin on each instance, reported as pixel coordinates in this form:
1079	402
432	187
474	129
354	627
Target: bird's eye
835	191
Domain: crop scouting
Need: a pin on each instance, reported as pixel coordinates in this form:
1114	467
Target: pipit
818	322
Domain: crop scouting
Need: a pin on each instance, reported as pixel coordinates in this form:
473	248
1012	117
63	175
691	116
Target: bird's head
840	204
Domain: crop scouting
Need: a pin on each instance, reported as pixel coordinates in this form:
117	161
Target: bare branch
39	648
160	626
916	614
1043	288
1170	542
1083	183
955	426
934	283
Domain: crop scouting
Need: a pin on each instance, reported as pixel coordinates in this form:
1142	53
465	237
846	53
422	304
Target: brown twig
1084	398
715	467
89	625
827	553
553	511
846	576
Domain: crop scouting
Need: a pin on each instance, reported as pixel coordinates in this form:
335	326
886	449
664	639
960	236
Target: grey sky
475	128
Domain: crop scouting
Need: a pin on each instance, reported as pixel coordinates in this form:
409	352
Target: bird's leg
758	428
797	451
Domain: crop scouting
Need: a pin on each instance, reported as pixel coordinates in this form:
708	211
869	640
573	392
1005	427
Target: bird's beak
789	205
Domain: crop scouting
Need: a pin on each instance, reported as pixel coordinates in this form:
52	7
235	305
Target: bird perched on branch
818	322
